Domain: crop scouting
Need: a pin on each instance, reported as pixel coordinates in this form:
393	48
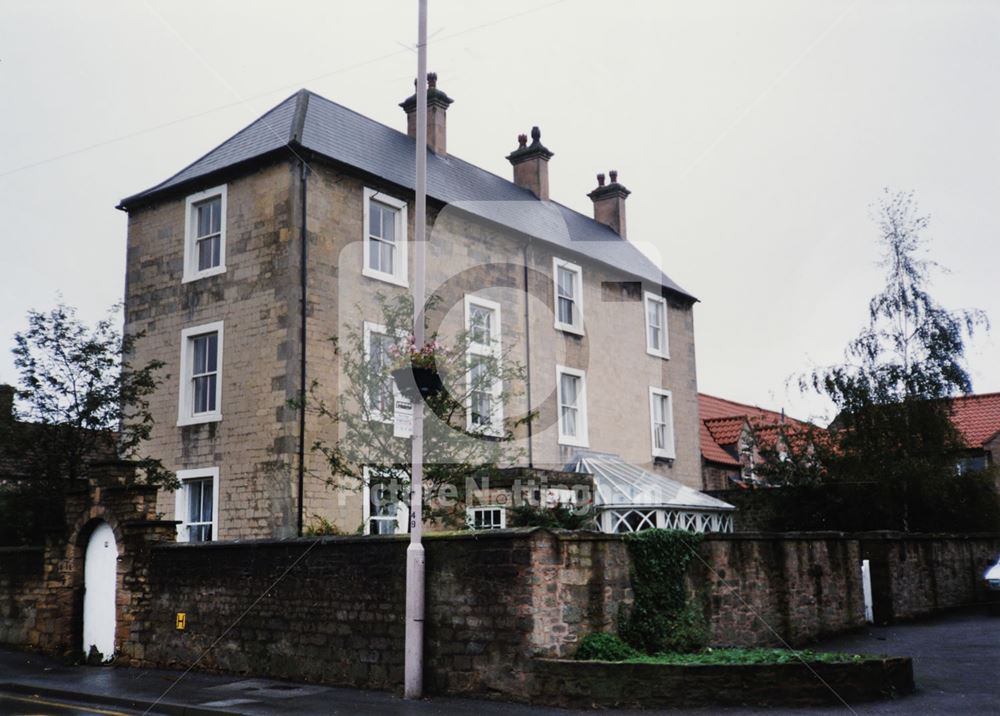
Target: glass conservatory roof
620	484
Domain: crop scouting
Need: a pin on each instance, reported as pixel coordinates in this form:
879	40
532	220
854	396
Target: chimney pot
614	176
600	179
437	108
531	164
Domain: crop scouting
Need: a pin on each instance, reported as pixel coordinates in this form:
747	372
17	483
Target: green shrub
558	517
755	656
604	647
320	527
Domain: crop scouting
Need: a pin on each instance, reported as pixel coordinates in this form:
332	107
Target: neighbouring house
977	419
244	264
731	434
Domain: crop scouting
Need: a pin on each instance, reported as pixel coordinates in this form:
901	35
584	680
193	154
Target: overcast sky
754	137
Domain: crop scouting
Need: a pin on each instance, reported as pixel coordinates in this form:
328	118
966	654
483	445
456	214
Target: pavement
956	667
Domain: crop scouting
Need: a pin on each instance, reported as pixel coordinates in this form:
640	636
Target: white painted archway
100	568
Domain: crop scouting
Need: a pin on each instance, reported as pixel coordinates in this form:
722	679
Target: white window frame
185	400
400	263
577	327
670	450
181	500
470	516
369	329
664	349
493	350
402	510
191	272
580	439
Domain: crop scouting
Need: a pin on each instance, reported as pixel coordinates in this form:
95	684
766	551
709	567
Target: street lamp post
413	666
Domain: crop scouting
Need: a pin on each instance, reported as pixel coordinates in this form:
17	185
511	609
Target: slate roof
977	418
306	121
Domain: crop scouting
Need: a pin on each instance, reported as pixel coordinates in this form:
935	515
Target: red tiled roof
726	431
710	407
722	423
977	417
712	451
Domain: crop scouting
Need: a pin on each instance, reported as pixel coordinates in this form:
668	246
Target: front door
100	572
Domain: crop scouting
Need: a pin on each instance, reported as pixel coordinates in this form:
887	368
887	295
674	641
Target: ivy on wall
660	619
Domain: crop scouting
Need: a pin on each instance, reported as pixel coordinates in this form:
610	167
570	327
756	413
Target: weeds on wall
661	620
558	517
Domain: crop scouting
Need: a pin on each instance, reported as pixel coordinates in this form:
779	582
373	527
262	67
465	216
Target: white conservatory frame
630	499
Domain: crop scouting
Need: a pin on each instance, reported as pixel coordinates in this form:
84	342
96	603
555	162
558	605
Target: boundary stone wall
331	610
597	684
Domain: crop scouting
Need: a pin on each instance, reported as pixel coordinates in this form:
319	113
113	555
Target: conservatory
629	499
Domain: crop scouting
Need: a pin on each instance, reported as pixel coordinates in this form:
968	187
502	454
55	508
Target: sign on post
402	418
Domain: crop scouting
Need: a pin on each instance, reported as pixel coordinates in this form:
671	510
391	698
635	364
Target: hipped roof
308	124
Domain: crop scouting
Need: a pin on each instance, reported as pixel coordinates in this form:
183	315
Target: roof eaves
209	178
134	199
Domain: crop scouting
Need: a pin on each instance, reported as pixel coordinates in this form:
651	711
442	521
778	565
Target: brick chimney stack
609	203
437	109
531	164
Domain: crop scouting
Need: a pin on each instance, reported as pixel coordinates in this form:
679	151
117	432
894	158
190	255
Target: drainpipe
527	352
303	182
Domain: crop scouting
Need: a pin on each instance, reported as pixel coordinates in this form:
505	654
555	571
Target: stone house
243	265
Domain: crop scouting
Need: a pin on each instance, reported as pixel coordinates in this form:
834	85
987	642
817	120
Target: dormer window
205	234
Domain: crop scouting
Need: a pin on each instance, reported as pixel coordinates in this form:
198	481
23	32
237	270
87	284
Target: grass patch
752	656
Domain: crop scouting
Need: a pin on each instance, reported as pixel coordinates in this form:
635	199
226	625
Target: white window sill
188	278
200	419
574	442
568	328
489	431
386	277
658	354
664	454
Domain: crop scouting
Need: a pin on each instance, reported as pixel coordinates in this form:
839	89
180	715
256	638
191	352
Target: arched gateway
100	577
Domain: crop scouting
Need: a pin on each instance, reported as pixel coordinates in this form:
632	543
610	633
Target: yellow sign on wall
181	621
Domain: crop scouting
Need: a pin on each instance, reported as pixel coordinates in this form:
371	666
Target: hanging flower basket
416	372
416	382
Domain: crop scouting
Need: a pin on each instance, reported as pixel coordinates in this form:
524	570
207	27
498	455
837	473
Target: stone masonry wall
254	445
256	298
331	609
765	589
915	575
22	587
